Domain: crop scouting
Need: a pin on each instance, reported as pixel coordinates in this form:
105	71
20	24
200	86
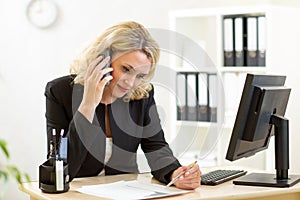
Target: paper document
130	190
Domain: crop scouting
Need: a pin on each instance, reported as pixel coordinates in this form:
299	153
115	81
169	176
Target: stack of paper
130	190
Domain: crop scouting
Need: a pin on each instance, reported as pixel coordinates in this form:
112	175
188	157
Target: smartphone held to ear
104	55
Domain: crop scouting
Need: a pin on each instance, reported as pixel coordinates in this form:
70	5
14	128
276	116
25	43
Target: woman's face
129	70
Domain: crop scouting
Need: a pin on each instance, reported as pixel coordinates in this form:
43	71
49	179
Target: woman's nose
129	80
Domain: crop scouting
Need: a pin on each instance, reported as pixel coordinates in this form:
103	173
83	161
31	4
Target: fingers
97	70
193	170
97	65
177	172
101	65
189	184
93	65
103	82
99	74
192	174
190	179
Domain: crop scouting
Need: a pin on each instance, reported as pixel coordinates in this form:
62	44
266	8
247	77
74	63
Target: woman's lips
122	88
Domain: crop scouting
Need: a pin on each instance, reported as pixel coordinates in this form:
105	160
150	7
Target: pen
54	142
181	173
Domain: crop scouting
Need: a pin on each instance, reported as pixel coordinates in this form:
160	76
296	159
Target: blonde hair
120	38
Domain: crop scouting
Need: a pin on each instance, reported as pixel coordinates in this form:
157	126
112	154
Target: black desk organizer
47	171
47	177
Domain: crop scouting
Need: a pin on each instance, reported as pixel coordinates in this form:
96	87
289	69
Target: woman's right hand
94	83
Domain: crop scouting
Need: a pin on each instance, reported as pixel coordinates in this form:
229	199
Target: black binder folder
208	98
202	100
228	42
196	93
261	41
192	99
238	41
252	43
181	91
212	97
213	114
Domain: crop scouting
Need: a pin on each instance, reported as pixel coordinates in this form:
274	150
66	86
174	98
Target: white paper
130	190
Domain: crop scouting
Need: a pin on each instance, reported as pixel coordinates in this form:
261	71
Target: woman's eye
125	69
141	76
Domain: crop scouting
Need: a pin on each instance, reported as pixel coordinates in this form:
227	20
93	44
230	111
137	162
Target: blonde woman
108	112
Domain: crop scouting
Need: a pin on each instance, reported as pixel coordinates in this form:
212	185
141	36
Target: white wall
29	57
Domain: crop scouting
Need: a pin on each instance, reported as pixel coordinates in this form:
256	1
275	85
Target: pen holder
48	177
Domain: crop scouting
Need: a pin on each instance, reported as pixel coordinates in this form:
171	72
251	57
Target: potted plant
9	171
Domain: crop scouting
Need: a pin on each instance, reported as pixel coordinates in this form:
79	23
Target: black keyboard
220	176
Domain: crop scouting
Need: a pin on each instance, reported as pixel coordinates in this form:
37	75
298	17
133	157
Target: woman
107	113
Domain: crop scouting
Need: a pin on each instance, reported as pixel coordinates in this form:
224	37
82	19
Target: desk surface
223	191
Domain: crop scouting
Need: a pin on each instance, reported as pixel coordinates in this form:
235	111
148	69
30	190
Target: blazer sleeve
157	151
62	100
58	105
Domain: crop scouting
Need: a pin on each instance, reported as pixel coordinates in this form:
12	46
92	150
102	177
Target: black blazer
132	124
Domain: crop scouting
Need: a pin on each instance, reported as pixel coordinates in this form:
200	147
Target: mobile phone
104	55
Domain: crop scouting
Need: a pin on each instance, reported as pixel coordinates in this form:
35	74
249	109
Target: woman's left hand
190	179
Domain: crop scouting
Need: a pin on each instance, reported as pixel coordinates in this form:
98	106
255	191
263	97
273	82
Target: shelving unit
205	28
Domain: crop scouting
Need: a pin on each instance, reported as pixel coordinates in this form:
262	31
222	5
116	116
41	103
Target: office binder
192	99
238	41
181	91
251	59
202	100
228	42
196	96
212	97
261	41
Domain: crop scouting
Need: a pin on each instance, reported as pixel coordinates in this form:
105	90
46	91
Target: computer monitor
259	117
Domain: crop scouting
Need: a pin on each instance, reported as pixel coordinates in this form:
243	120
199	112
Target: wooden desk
223	191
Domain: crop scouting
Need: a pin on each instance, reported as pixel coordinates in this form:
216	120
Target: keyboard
220	176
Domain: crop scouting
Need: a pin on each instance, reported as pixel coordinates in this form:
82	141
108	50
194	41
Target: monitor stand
281	179
266	180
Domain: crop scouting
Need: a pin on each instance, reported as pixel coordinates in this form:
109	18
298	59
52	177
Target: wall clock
42	13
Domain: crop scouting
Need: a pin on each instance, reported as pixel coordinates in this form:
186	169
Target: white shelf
211	70
204	26
194	123
216	11
244	69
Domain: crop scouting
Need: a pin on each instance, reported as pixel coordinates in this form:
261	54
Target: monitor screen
261	115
